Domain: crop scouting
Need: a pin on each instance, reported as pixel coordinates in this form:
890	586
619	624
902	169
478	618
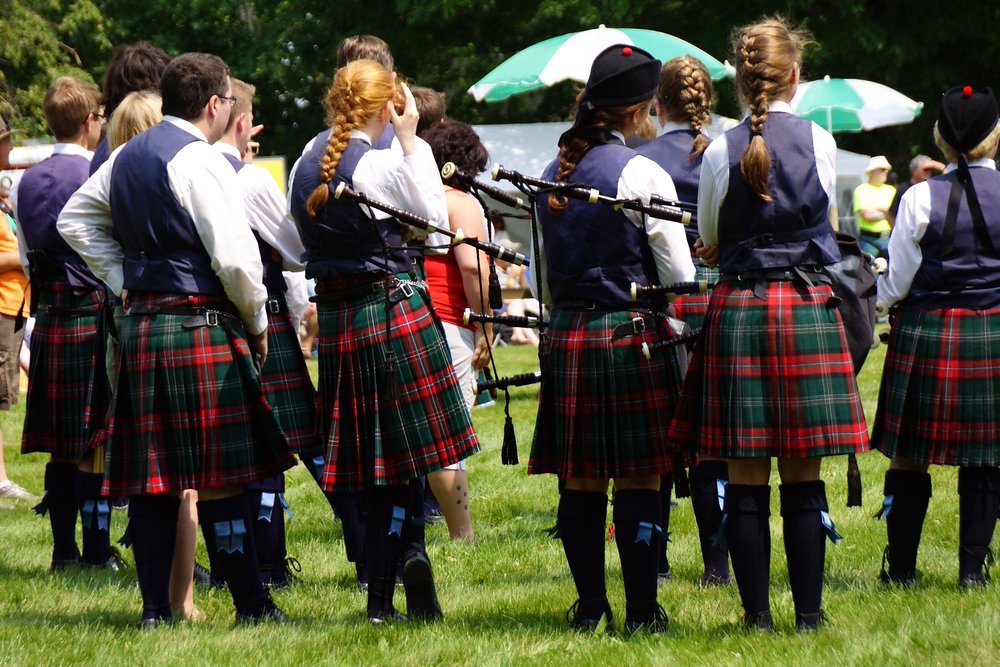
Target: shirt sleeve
904	244
409	182
85	223
640	179
296	294
713	185
825	148
206	186
266	209
22	247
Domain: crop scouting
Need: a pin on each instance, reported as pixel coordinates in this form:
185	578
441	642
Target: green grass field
505	594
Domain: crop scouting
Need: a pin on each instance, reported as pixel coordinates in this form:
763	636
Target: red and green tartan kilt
286	381
770	377
68	388
371	439
939	401
604	408
692	307
188	411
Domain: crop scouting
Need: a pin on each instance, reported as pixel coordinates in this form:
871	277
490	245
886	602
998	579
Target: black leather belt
633	327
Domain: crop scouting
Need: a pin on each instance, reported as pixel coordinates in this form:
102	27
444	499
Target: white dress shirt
714	183
266	209
904	243
206	186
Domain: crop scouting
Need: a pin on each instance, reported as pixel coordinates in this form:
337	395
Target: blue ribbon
644	532
88	512
266	507
831	530
720	490
284	505
229	536
103	515
886	507
318	463
398	516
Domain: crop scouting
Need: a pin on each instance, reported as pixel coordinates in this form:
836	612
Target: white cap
878	162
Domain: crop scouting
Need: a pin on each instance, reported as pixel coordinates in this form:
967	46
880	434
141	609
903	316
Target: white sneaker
9	489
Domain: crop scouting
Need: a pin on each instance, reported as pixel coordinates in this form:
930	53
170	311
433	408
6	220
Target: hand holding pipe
450	172
492	249
512	381
694	287
510	320
591	195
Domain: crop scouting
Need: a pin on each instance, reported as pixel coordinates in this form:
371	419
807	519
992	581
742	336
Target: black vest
672	152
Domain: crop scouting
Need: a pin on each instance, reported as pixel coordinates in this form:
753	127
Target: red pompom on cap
627	51
967	91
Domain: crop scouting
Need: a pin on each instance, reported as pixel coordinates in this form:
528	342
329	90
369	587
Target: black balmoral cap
622	75
967	116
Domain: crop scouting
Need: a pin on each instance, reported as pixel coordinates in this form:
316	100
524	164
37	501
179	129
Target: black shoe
387	618
905	581
63	564
155	618
581	623
805	622
710	580
664	577
418	583
658	623
114	562
288	576
202	575
552	531
270	614
760	620
972	582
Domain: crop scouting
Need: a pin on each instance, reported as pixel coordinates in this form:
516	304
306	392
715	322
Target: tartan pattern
692	307
369	440
939	401
286	382
604	408
68	388
188	411
771	377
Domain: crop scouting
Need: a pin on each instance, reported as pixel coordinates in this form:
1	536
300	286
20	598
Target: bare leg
182	572
451	488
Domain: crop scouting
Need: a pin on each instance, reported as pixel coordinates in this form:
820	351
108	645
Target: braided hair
685	94
765	54
360	89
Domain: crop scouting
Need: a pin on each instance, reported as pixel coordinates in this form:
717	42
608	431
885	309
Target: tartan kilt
68	388
692	307
372	440
603	408
188	411
771	377
939	401
285	379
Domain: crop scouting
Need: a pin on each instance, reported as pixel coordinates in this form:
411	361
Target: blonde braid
685	93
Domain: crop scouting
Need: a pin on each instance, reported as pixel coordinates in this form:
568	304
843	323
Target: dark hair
364	47
133	67
430	105
455	141
189	82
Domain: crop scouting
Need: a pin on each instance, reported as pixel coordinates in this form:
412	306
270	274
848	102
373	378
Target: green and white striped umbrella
570	57
853	105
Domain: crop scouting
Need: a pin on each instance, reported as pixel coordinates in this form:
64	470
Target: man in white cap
922	167
871	205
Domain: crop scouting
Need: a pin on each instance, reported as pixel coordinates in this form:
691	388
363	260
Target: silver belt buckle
638	325
406	289
211	318
273	306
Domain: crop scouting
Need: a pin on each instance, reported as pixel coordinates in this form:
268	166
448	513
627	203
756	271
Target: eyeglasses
99	116
231	100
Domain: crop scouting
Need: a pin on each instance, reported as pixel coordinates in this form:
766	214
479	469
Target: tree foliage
287	48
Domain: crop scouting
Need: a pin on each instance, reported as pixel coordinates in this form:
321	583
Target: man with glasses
68	389
164	225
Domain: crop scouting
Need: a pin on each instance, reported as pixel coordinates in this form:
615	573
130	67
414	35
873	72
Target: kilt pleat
68	389
370	438
771	377
188	411
692	307
939	400
286	382
604	408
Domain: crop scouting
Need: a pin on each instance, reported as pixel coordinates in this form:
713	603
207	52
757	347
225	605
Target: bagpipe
533	188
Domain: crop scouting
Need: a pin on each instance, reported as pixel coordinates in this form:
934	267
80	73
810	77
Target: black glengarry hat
967	116
621	75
